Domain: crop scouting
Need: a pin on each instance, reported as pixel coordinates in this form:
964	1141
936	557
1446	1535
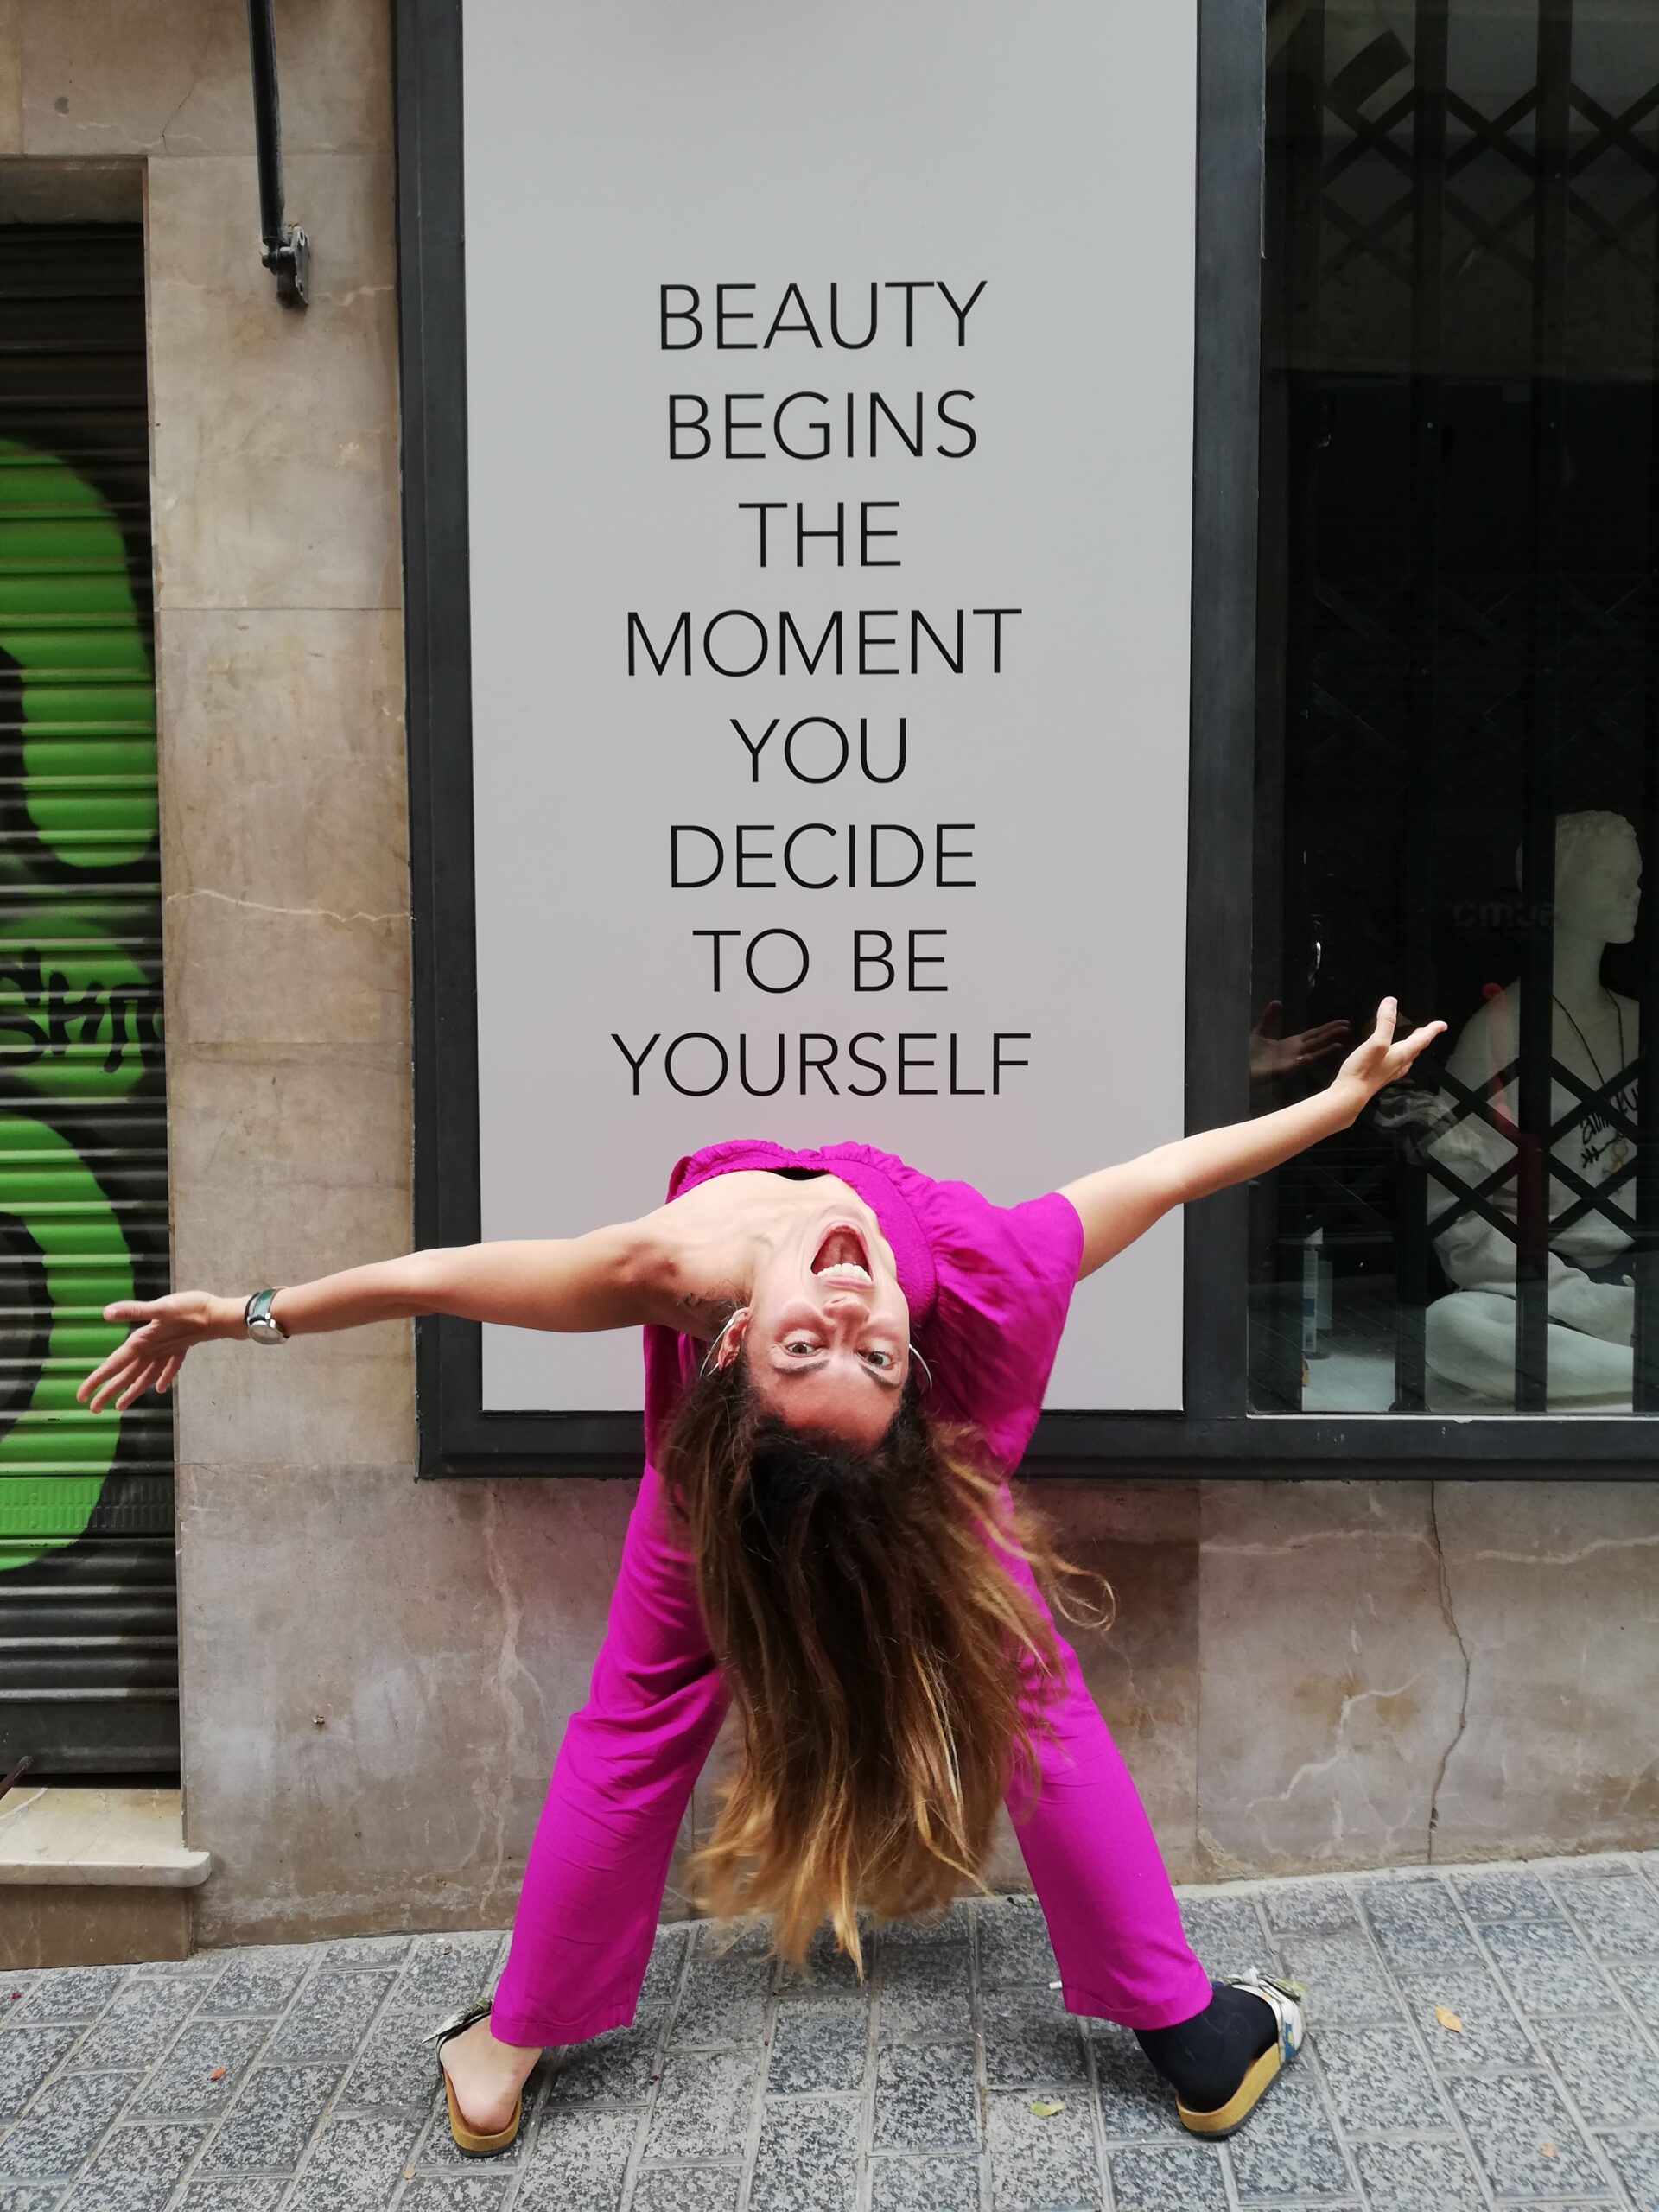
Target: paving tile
1618	1914
444	1970
1014	1945
263	1980
688	2189
135	2026
356	2163
1225	1932
64	2125
1030	2036
724	2001
1377	2081
580	2161
1174	2180
332	2019
925	1992
1136	2104
70	1994
899	2184
616	2065
367	1950
822	2045
1491	2034
1546	1966
1346	1982
1419	2178
1609	2067
703	2105
220	2193
272	2121
1416	1923
1314	1908
28	2054
806	2159
1039	2162
137	2169
1635	2159
925	2098
663	1974
956	1926
455	2193
1641	1988
747	1937
1511	2117
29	2197
203	2070
1505	1893
1289	2150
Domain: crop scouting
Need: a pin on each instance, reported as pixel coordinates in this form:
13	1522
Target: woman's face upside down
827	1329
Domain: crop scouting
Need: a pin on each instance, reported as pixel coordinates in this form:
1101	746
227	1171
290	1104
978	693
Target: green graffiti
55	1455
69	620
79	1015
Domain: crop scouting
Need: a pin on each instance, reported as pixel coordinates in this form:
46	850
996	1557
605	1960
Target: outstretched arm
605	1280
1117	1204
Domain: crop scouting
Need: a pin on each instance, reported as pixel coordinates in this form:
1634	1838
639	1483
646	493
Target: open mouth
842	1257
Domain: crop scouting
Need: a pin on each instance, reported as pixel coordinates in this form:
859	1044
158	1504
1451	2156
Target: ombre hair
878	1652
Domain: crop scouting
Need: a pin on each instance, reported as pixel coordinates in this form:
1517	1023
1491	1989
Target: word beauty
726	316
697	1063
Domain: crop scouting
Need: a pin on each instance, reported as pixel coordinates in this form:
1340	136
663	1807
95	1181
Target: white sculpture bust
1470	1333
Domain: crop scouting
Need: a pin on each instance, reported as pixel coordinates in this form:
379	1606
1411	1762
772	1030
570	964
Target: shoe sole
467	2138
1228	2119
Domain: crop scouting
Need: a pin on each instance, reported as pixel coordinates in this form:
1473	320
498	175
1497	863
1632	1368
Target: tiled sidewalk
246	2081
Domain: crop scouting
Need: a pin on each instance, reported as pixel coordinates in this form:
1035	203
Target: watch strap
261	1323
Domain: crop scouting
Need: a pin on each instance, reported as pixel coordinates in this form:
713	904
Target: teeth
844	1271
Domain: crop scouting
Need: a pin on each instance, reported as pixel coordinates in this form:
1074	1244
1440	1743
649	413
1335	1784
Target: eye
882	1359
800	1345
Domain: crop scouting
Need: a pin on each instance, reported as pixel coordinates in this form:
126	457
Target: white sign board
830	407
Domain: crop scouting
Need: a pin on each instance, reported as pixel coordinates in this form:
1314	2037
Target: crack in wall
1451	1618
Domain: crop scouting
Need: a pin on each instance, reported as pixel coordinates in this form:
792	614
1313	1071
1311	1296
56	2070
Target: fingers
170	1371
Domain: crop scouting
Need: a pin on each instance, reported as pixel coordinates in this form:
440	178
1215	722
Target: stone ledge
112	1838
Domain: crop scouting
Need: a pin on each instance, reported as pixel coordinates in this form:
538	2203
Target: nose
844	1301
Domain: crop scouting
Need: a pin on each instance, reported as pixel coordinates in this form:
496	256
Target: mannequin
1470	1333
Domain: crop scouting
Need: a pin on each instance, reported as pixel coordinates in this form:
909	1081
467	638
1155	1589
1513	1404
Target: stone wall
376	1672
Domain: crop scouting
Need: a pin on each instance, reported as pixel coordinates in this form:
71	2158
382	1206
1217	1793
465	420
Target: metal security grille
88	1613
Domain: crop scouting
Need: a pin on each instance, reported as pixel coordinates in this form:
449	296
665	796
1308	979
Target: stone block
65	2123
687	2189
579	2163
898	2184
1037	2162
823	2045
703	2106
1492	2034
356	2164
1511	2118
1288	2149
1174	2180
925	2098
1030	2038
616	2067
1411	2177
806	2159
273	2120
202	2071
137	2168
1378	2084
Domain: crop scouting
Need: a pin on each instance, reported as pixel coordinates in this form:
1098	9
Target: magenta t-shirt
989	1286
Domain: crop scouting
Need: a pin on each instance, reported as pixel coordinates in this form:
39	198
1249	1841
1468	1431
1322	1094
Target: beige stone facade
376	1671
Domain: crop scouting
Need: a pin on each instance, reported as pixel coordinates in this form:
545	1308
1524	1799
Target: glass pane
1458	777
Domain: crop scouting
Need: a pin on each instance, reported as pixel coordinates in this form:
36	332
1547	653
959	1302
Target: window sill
125	1838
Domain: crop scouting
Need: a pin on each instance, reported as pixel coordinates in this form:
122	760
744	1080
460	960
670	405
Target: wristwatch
262	1324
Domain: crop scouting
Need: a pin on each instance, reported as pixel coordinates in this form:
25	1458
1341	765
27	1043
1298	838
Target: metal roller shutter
88	1611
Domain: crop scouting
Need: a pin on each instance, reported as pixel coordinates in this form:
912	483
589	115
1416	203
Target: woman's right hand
154	1352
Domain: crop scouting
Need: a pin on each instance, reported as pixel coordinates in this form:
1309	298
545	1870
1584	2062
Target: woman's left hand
1383	1058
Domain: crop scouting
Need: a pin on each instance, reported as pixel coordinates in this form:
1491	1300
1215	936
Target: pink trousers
598	1865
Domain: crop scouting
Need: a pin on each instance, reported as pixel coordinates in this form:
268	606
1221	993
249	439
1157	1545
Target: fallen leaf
1548	2150
217	2074
1448	2018
1045	2107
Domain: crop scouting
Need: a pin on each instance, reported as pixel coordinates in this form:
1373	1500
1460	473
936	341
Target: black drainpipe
286	252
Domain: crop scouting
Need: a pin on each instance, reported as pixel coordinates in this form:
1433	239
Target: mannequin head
1597	871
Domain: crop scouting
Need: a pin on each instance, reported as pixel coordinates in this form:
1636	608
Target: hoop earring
714	1346
923	1364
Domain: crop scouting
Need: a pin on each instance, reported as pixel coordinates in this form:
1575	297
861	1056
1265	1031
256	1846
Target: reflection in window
1457	761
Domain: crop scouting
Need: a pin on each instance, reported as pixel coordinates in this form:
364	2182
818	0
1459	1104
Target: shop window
1458	752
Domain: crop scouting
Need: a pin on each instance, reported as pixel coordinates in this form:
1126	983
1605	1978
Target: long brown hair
876	1648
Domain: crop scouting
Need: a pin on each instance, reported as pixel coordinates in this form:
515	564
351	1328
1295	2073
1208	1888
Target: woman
844	1359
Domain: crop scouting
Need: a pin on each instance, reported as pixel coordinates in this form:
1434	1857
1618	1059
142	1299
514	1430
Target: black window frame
1214	1432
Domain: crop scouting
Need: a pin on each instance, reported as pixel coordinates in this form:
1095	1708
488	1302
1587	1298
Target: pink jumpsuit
988	1287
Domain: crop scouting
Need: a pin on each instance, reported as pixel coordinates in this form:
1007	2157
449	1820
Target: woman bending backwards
843	1361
